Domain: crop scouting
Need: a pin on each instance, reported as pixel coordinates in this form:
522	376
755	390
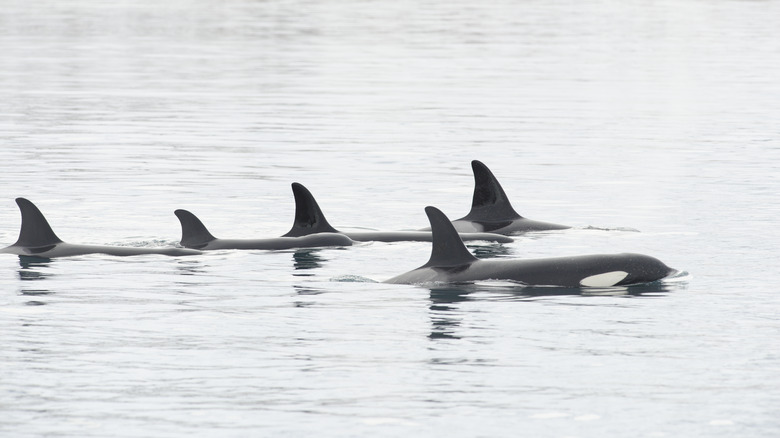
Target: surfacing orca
451	262
310	219
36	238
491	210
195	235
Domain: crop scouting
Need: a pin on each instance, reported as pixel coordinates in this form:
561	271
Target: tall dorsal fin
193	233
36	231
308	216
490	203
448	249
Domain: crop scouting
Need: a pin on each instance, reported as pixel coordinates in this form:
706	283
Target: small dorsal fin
448	249
36	231
308	216
193	233
490	203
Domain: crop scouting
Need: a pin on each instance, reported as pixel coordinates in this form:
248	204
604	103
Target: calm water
612	117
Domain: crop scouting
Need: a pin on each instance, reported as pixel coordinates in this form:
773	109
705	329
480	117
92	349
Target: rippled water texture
650	127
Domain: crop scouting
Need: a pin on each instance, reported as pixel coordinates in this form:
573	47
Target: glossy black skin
557	271
195	235
36	238
451	262
419	236
491	211
65	249
310	219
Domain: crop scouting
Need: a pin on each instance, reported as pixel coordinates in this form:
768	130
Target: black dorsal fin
308	216
490	203
448	249
193	233
36	231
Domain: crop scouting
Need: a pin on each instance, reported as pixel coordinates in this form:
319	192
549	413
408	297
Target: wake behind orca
451	262
309	219
36	238
491	210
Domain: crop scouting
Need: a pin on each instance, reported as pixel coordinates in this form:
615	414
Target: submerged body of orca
491	211
195	235
36	238
309	219
451	262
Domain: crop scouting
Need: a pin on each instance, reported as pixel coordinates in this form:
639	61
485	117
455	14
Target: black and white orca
491	211
36	238
310	219
451	262
195	235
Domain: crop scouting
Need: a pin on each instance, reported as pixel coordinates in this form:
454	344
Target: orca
491	211
37	239
451	262
310	219
195	235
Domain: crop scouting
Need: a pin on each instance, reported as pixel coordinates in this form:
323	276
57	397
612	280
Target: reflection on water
306	290
444	319
189	267
503	290
32	268
303	292
642	290
35	292
307	259
449	294
444	311
191	273
29	267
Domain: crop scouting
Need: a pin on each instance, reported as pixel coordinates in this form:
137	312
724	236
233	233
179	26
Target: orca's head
644	269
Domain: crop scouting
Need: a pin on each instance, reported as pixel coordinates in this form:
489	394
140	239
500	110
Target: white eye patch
604	280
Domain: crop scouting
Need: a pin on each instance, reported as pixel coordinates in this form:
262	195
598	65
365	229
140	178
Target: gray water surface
650	127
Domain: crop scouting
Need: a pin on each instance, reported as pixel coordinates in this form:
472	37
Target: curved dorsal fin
36	231
193	233
490	203
448	249
308	216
